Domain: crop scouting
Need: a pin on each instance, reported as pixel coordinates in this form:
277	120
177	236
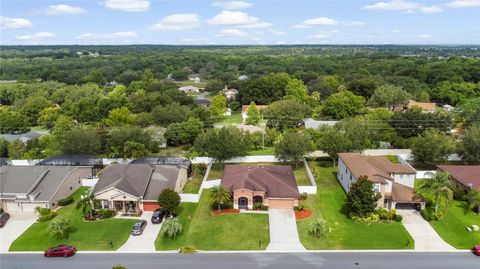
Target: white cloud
14	23
229	32
177	22
423	36
128	5
323	34
64	9
117	35
232	5
400	5
464	3
326	21
238	19
35	37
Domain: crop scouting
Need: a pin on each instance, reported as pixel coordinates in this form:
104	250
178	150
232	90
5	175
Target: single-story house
245	110
230	93
23	137
131	188
463	176
189	89
272	185
315	124
22	188
426	107
249	128
195	79
203	102
395	182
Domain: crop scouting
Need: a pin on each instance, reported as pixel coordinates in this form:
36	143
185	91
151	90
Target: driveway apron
146	241
16	225
283	231
426	238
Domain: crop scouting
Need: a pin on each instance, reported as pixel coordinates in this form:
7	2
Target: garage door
28	207
280	203
150	206
12	207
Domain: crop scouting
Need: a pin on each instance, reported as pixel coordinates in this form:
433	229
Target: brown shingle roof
259	107
468	175
277	181
402	193
377	168
422	105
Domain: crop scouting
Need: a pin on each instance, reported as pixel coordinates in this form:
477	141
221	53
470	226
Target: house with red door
132	188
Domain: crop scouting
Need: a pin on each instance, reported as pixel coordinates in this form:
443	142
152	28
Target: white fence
189	197
307	189
426	174
246	159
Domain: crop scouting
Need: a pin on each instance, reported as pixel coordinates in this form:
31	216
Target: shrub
259	206
460	195
119	267
303	196
171	228
1	210
106	213
385	214
65	201
188	249
45	214
47	217
169	200
299	208
398	218
429	215
60	229
370	218
202	168
317	228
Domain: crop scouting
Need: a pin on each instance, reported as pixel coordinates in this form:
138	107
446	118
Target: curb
257	252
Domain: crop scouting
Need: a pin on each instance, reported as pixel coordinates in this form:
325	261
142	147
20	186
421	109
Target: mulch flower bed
304	214
225	211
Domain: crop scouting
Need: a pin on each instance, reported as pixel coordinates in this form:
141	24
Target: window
70	186
376	188
351	178
104	204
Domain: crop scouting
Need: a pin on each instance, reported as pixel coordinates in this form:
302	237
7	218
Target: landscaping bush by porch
329	204
95	235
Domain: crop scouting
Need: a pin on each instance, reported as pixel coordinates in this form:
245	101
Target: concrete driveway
283	231
16	225
422	232
146	241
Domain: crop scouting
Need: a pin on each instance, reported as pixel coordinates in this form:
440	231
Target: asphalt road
367	260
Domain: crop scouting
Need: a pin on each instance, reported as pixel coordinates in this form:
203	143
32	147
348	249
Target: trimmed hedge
66	201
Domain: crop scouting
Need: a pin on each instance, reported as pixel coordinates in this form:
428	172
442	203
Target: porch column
124	207
393	205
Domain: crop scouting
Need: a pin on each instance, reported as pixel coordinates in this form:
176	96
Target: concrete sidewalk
426	238
283	231
144	242
16	225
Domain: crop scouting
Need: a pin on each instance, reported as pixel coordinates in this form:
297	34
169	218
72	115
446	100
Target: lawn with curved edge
95	235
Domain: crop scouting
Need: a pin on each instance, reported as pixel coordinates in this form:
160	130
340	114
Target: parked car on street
138	227
158	216
60	251
3	219
476	250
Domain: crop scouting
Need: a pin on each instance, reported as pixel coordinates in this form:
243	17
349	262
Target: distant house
230	93
315	124
23	137
249	128
426	107
395	182
203	102
245	110
243	77
194	78
22	188
131	188
448	108
463	176
189	88
271	185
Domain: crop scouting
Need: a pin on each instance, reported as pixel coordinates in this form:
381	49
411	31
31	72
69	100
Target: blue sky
240	22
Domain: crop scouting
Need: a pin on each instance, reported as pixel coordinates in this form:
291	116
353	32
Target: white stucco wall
344	176
405	179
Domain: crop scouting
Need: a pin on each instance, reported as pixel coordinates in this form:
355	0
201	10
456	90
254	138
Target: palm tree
87	203
220	195
60	229
474	200
438	187
172	228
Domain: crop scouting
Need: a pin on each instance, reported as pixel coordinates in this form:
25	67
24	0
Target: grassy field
392	158
329	203
224	232
300	173
265	151
235	118
180	151
193	185
187	82
87	236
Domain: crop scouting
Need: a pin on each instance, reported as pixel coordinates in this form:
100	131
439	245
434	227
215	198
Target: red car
476	250
60	251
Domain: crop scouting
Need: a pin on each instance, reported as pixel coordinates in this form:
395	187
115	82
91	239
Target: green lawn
452	227
392	158
87	236
224	232
265	151
193	185
345	234
179	151
300	173
188	82
235	118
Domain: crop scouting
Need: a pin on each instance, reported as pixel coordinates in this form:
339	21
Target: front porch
123	207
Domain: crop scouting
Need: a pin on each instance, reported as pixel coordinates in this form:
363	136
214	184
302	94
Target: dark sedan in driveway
138	227
158	216
60	251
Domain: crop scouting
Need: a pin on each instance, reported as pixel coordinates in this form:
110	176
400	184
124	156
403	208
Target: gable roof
259	107
276	181
422	105
468	175
377	168
139	180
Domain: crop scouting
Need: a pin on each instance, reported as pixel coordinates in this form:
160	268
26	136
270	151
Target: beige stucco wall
70	184
181	179
381	201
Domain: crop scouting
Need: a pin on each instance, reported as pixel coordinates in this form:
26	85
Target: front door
243	203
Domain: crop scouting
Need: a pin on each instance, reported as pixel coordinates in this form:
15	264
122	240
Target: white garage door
28	207
280	203
12	207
